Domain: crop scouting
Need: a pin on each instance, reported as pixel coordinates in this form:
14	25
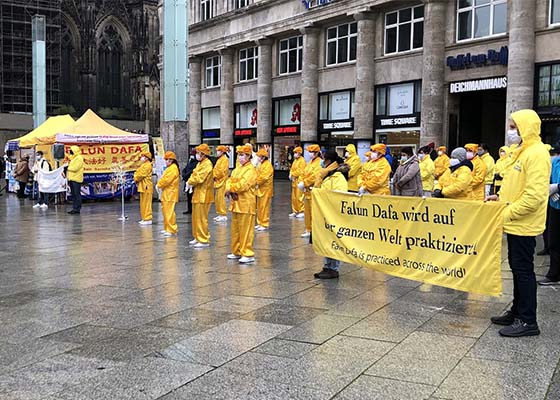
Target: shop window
336	106
287	111
206	9
291	55
246	116
549	86
248	64
399	99
404	30
211	118
554	12
213	71
481	18
342	43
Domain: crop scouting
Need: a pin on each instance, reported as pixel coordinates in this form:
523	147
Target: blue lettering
465	61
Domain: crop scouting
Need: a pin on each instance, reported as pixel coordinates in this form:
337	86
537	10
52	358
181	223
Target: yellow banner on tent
451	243
100	158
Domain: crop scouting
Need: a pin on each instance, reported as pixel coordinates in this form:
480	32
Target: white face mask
404	159
453	162
198	157
513	137
346	155
297	155
502	154
143	159
440	153
219	153
470	155
242	158
373	156
421	156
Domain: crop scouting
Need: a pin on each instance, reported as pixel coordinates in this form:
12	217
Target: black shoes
506	318
326	273
543	252
547	282
520	328
73	212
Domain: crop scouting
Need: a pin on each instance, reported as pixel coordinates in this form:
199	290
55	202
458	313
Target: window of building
554	12
398	99
481	18
211	118
206	9
342	42
240	3
404	30
248	64
291	55
287	111
213	71
246	115
337	106
549	86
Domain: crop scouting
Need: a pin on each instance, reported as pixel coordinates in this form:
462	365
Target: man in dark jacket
186	174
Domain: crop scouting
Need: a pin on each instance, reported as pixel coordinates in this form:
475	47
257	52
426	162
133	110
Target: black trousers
546	233
521	251
75	189
21	190
554	244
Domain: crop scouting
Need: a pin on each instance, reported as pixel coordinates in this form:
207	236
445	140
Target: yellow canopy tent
46	132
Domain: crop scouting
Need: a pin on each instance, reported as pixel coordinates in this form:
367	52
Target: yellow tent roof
46	132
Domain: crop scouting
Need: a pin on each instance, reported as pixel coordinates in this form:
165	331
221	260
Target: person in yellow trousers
202	182
296	172
479	172
456	181
306	183
220	174
352	159
427	170
500	168
241	189
484	154
441	163
265	190
169	187
143	180
375	175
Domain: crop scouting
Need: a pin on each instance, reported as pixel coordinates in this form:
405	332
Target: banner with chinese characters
101	158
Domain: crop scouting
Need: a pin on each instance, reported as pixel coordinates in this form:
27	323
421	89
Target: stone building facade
278	73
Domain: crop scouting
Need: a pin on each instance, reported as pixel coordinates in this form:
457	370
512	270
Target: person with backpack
41	164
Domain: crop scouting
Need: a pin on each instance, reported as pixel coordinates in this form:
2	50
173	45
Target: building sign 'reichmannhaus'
492	57
316	3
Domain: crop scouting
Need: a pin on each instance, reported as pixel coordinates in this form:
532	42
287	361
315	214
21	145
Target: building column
365	77
264	90
226	98
310	85
195	114
433	73
521	60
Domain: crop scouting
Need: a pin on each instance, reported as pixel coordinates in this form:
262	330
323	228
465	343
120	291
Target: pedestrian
525	190
306	185
143	180
21	174
296	172
220	174
456	181
241	189
75	178
186	174
352	159
168	185
407	180
441	163
427	170
265	190
375	175
333	176
202	182
500	167
484	154
479	172
41	164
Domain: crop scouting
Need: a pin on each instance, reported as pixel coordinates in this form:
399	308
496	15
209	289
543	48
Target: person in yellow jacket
441	163
500	168
375	175
241	189
75	178
525	191
202	182
143	180
479	172
427	171
220	174
456	181
265	191
484	154
306	183
296	172
352	159
168	184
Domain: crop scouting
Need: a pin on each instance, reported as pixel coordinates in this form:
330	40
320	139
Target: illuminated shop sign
398	122
465	61
284	130
244	132
337	125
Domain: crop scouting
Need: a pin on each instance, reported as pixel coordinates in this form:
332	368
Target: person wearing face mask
202	182
75	178
169	187
306	183
220	174
296	172
484	154
186	174
441	163
375	175
353	161
479	172
143	180
41	164
241	189
265	182
407	180
500	167
427	170
456	181
525	191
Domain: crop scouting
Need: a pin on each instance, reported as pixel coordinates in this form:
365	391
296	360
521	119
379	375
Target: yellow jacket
309	176
490	163
526	180
76	166
202	182
427	169
297	170
501	164
221	171
143	178
456	184
355	164
265	179
479	176
243	182
375	176
334	181
169	183
441	163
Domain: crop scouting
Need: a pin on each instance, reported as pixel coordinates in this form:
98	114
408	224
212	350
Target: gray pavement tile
238	304
319	329
355	348
240	331
195	320
451	324
321	297
384	325
258	365
356	307
553	392
29	296
277	289
285	348
85	333
432	346
282	314
476	309
374	388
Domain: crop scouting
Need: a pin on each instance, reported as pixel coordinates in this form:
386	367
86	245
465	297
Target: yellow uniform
427	170
202	182
296	172
456	184
500	166
308	180
220	174
375	177
479	176
441	164
76	166
143	180
355	164
490	164
265	179
169	184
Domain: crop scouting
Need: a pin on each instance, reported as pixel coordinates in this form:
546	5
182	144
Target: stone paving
92	308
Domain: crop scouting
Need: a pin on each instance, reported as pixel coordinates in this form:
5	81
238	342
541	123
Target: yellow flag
451	243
